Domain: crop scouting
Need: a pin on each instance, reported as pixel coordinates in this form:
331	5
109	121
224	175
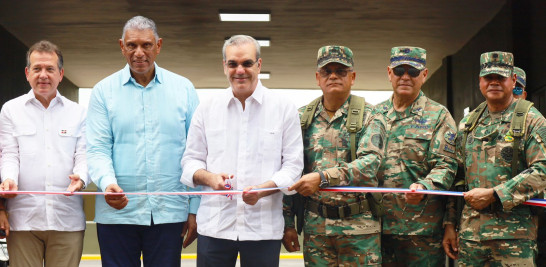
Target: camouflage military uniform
487	164
327	148
506	231
420	149
541	237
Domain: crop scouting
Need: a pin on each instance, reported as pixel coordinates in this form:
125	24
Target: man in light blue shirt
137	123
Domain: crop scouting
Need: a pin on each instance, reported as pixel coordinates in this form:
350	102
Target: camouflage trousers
501	252
541	240
342	250
412	250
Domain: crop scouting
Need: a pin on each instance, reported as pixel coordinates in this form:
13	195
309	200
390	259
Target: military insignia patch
420	121
507	153
449	149
526	171
508	137
377	141
450	137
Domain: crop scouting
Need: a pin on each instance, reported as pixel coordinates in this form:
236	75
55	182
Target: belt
337	212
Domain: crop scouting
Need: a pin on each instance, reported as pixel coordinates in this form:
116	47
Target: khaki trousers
45	248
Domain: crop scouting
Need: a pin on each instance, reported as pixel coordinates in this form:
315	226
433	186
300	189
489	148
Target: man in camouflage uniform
420	154
495	228
519	90
333	237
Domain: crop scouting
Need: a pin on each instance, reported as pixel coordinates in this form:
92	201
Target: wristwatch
323	181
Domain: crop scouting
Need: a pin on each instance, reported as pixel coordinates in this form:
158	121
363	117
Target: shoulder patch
377	140
450	137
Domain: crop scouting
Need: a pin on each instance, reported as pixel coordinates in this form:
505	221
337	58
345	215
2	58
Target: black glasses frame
246	64
412	72
339	72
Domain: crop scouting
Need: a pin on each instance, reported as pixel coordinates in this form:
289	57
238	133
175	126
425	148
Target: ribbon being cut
532	202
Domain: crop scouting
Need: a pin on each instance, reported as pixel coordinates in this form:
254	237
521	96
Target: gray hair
140	23
237	40
46	47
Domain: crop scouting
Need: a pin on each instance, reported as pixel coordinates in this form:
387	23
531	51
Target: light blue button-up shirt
136	137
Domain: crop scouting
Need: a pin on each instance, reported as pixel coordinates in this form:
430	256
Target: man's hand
307	185
451	242
290	240
251	198
8	185
216	181
76	184
479	198
189	230
414	198
116	201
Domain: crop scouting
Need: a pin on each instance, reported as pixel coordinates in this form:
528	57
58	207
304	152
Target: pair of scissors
228	186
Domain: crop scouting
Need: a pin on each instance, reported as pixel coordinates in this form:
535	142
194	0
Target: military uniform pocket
416	144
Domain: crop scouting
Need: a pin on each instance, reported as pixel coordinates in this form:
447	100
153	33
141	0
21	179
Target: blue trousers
215	252
121	245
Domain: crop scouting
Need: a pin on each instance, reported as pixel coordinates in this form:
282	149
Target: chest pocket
68	137
26	138
416	144
271	141
504	151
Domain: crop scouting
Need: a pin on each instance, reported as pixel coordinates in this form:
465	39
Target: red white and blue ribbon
532	202
342	189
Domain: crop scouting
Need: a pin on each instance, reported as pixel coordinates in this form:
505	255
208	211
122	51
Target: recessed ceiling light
264	42
264	75
245	16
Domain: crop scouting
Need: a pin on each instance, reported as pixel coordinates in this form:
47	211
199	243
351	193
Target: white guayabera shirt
40	149
260	143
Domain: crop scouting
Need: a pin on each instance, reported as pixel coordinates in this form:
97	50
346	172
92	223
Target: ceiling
88	31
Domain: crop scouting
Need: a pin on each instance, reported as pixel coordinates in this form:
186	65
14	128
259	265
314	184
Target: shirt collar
30	96
126	74
344	109
418	106
257	95
506	115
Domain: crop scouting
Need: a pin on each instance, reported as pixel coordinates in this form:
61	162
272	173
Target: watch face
323	184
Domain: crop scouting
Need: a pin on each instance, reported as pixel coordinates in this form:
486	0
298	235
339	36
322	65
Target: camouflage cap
522	79
497	62
408	55
334	53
